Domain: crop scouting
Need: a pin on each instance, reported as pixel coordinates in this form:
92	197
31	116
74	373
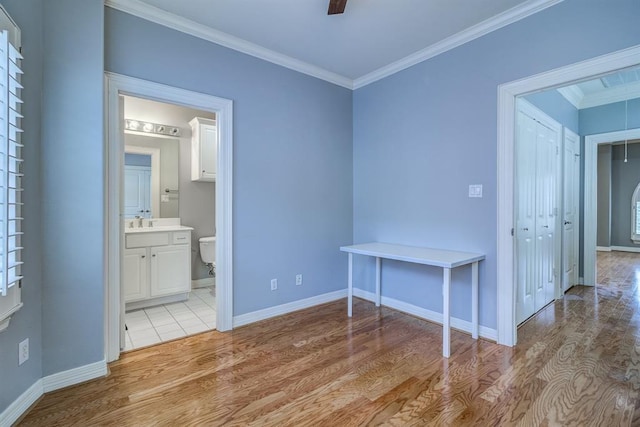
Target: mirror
151	184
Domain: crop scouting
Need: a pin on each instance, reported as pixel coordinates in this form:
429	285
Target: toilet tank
208	249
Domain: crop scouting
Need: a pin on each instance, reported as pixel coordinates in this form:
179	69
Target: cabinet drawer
146	239
181	237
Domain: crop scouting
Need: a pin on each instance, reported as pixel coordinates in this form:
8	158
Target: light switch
475	190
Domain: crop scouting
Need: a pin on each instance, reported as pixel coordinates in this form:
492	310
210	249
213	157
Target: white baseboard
423	313
50	383
21	404
625	249
603	248
203	283
74	376
278	310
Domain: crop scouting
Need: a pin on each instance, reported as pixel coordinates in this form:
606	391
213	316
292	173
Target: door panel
571	194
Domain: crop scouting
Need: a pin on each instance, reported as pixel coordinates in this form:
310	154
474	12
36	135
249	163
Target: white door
571	194
209	151
134	274
547	156
537	196
137	191
525	215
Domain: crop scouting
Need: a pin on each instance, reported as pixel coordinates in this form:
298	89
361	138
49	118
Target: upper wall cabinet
204	149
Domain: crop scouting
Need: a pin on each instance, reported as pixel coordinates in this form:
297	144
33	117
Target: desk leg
474	300
378	293
350	286
446	330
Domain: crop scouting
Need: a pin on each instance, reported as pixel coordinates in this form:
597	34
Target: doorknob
567	222
525	229
545	226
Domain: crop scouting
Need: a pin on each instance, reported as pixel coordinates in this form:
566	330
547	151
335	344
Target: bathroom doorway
158	286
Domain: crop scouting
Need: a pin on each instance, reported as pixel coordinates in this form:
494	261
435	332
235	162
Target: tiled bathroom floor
170	321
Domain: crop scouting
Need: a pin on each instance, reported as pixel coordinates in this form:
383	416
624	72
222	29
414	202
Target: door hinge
512	231
20	283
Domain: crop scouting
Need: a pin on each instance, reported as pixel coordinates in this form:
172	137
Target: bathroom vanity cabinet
204	149
156	267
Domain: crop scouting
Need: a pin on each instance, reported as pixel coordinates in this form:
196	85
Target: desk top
418	255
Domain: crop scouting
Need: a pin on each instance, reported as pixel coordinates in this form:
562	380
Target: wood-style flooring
576	363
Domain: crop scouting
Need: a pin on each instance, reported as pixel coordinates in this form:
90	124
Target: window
635	215
10	170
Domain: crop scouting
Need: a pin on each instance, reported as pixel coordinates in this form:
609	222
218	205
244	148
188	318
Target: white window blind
10	165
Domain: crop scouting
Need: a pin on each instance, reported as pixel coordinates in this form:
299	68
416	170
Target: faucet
140	219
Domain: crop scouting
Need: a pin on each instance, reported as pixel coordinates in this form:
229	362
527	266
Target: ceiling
607	89
372	39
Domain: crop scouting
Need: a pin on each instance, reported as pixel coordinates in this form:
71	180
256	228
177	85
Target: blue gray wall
27	323
625	177
292	157
72	185
412	169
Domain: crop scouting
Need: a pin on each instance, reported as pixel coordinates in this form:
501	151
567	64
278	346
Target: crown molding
501	20
573	94
187	26
611	95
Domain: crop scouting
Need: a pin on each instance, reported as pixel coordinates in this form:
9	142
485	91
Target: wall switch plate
298	279
274	284
23	351
475	190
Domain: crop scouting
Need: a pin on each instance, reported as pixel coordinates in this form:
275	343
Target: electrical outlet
23	351
298	279
274	284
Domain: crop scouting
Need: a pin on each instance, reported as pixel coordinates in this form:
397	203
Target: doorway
507	93
116	86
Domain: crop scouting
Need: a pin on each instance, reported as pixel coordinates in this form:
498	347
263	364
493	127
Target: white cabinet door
135	265
204	149
170	270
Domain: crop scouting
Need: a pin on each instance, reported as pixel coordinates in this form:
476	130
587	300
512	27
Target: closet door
537	197
525	215
547	155
571	194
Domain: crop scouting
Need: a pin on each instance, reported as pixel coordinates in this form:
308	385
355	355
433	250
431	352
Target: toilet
208	253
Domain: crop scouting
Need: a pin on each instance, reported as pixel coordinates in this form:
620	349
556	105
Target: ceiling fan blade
336	6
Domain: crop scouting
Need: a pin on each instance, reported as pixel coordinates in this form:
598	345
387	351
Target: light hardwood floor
577	363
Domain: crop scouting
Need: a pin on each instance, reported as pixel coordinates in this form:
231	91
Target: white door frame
116	85
155	173
591	143
507	93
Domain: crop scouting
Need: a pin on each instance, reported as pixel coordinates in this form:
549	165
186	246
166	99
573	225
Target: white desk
435	257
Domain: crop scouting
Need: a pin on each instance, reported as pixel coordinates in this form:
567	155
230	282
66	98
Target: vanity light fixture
148	127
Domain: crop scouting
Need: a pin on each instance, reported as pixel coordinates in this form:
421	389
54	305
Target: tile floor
170	321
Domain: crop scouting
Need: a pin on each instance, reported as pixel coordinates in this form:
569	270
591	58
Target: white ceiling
607	89
369	38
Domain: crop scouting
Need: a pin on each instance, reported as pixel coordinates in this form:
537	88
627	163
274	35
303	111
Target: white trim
625	249
118	84
155	173
603	248
611	95
507	331
187	26
591	143
485	27
573	94
74	376
426	314
18	407
279	310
